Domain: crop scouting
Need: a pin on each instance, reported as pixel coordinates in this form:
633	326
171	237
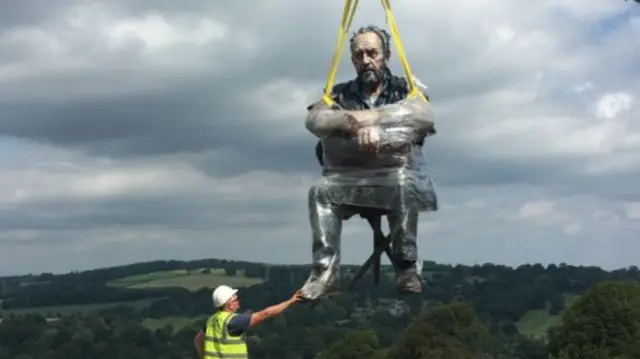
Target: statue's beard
371	78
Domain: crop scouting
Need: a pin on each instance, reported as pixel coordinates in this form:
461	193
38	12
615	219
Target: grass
535	323
148	277
193	281
76	309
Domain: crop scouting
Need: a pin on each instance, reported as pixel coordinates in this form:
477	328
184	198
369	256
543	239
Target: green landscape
154	309
56	311
182	278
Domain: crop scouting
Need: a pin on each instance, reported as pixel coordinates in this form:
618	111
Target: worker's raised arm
274	310
322	120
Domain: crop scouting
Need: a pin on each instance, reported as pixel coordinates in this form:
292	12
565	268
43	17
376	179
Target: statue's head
370	52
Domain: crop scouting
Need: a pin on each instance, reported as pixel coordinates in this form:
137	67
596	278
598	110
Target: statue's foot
317	290
408	281
318	287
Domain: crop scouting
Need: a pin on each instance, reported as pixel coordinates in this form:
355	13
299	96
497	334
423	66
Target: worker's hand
368	139
297	297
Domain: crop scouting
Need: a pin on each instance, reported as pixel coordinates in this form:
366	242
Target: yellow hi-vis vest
219	343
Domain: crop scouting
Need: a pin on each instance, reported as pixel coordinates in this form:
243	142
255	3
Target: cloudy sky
141	130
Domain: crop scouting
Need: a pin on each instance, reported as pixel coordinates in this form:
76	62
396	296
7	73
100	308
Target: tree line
464	312
603	324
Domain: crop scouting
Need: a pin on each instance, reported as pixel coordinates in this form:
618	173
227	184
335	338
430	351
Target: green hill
182	278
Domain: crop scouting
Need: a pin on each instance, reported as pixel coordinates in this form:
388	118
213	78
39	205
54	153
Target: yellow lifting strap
348	12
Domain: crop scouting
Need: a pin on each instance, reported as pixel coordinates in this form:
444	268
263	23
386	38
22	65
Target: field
193	281
536	322
74	309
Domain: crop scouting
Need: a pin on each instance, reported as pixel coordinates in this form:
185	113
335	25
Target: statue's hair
382	34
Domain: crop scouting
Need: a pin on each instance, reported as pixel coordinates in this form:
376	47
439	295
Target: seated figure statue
370	148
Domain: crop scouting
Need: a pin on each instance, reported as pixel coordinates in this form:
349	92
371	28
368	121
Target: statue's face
368	58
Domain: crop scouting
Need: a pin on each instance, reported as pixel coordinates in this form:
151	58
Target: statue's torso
341	152
392	178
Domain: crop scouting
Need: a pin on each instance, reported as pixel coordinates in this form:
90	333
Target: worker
224	334
370	147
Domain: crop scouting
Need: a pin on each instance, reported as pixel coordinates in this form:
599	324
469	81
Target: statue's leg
403	226
326	229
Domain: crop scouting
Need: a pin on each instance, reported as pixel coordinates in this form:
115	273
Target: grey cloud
27	12
176	211
190	121
205	120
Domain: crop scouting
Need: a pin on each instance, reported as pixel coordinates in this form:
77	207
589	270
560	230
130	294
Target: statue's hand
368	138
363	118
353	126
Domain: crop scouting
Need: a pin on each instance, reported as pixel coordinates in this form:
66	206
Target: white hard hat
222	294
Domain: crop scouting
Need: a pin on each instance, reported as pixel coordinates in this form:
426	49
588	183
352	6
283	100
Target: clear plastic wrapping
389	173
393	176
392	188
